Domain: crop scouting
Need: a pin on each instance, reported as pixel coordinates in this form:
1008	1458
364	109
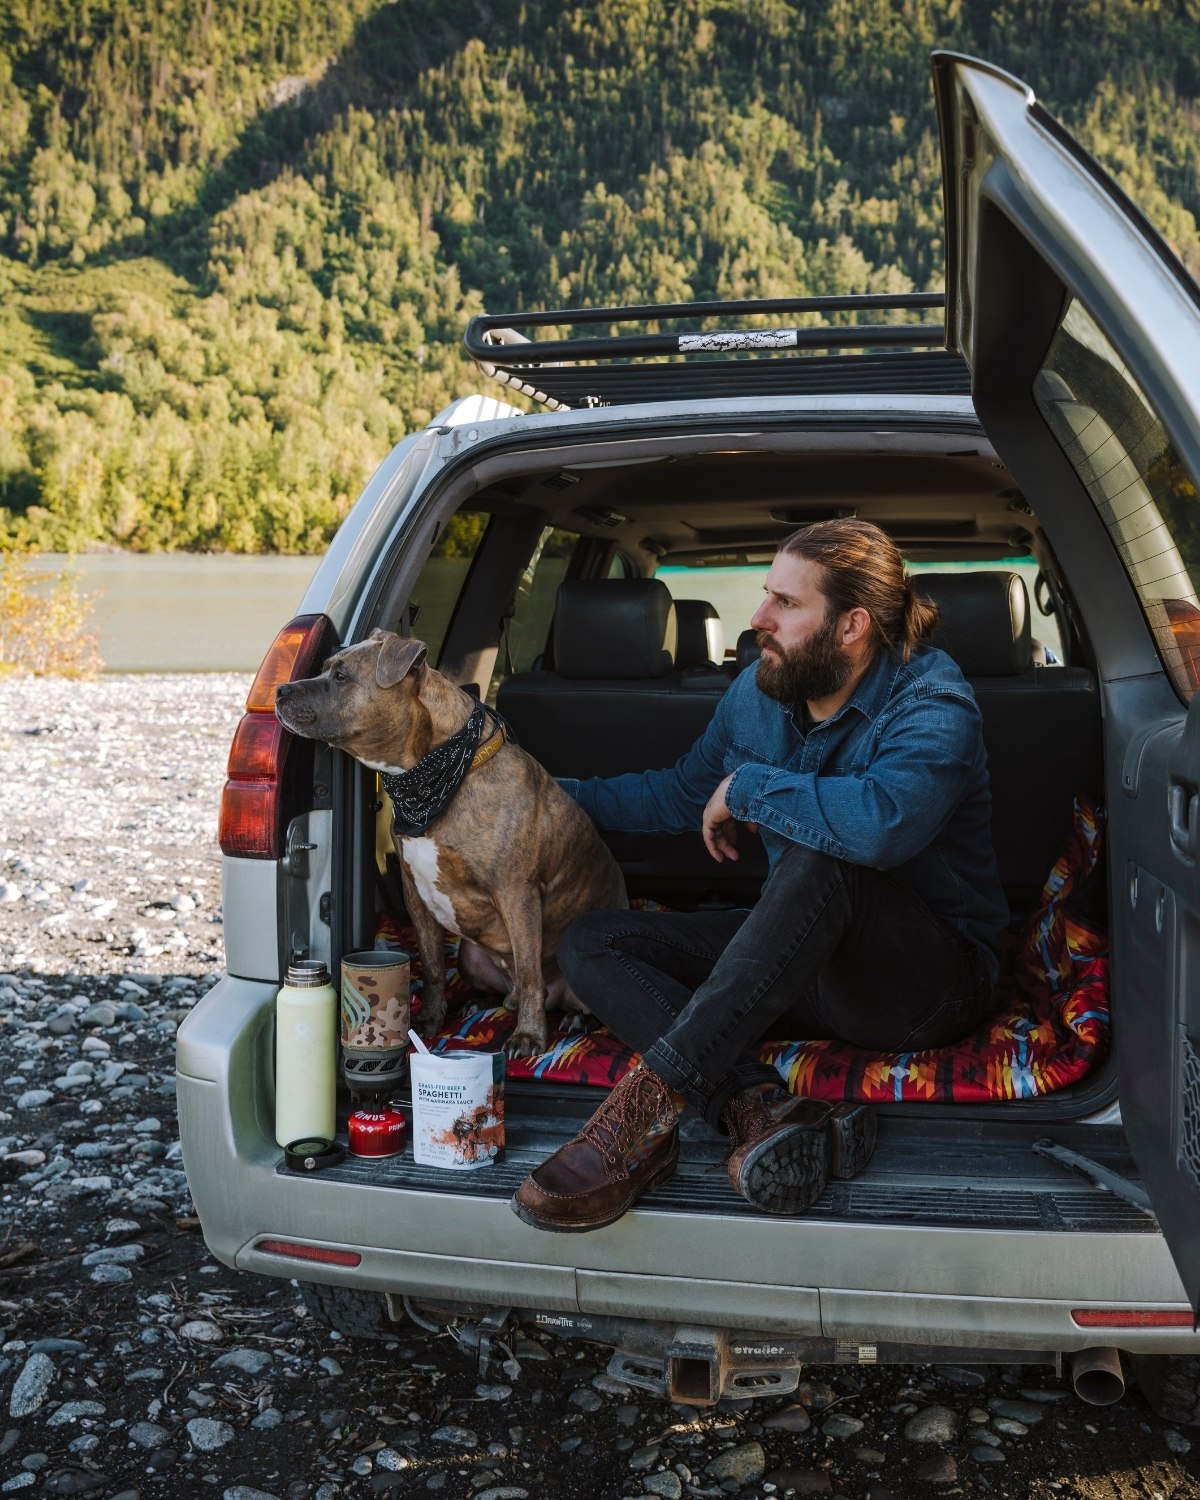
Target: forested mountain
240	239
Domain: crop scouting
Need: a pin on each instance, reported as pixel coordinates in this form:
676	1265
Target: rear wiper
1098	1176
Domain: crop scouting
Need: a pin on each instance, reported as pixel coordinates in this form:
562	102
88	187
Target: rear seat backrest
1041	725
614	703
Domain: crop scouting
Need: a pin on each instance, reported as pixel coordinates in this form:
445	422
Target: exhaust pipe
1096	1376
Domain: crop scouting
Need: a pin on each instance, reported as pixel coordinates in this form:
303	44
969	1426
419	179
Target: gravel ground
132	1364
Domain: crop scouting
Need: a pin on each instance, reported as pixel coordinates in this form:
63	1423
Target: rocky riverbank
132	1364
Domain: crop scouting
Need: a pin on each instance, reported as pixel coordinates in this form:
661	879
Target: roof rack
616	369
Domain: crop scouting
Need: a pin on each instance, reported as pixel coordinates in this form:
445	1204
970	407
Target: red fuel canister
376	1132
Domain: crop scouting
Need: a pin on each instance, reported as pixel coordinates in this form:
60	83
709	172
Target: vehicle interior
600	600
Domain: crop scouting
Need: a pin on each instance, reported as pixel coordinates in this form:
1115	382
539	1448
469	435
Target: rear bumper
858	1282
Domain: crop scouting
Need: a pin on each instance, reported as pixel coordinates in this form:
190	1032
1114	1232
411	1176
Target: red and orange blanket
1049	1030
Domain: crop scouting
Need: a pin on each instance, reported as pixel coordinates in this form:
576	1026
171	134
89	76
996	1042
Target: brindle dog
509	864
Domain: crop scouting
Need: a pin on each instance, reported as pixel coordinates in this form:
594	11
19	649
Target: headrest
614	628
701	634
748	649
985	621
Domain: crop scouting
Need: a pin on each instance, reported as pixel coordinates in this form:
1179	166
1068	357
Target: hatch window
1147	499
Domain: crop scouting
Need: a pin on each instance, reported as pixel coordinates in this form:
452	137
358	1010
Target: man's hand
719	826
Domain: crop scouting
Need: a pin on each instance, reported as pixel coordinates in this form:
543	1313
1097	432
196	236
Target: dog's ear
398	656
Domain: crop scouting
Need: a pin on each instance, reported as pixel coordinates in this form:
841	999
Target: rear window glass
1146	498
524	633
736	592
441	582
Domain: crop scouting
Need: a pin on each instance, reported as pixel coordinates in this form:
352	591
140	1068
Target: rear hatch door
1082	331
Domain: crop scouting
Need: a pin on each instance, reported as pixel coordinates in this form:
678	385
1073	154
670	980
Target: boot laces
746	1117
621	1122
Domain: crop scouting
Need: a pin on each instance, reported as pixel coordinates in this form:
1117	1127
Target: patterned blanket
1050	1027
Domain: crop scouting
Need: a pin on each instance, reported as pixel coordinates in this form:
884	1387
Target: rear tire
1171	1386
358	1315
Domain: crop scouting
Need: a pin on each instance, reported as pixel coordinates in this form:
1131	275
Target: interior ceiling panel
933	502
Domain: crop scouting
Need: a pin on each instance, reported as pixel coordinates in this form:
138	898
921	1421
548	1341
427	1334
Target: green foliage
239	242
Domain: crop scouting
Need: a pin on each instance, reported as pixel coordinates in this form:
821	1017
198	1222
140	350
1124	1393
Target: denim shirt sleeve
668	801
889	811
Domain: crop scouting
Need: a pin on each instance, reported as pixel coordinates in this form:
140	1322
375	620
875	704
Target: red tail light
1132	1317
319	1253
253	818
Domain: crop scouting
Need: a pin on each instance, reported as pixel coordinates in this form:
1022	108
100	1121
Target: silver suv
1049	431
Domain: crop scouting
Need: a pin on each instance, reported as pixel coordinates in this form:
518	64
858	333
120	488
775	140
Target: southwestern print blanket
1050	1026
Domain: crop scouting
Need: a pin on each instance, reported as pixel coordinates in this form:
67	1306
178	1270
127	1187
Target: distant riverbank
186	612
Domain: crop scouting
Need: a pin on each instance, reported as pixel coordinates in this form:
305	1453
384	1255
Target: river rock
939	1470
71	1411
460	1437
148	1434
32	1385
1019	1411
666	1484
202	1332
936	1424
115	1255
208	1435
839	1425
248	1361
745	1464
788	1419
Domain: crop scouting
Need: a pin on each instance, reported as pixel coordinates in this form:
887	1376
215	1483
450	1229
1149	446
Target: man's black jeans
830	950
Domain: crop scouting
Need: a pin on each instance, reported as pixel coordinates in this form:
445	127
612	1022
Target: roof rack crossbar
650	345
738	307
496	343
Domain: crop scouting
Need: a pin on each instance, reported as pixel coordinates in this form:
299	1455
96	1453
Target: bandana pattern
422	794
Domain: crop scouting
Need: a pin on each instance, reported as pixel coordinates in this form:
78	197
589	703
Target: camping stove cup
374	1020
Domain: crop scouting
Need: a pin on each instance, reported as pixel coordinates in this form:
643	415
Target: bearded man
857	751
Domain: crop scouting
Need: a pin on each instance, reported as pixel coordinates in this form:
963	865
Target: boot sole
852	1132
662	1173
787	1172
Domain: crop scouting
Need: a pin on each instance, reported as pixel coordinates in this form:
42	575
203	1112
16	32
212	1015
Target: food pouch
457	1108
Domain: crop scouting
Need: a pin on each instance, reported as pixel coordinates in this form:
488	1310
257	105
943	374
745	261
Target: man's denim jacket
897	779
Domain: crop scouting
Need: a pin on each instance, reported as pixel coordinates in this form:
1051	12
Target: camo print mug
374	1020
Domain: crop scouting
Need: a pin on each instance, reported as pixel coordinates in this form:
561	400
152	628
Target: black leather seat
614	702
1041	725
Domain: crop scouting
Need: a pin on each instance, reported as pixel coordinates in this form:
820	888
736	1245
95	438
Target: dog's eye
338	675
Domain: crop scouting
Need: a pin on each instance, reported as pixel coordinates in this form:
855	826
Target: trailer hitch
486	1340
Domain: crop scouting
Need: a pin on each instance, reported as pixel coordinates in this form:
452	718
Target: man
857	751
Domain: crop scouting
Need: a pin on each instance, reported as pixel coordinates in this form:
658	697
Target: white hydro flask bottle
305	1055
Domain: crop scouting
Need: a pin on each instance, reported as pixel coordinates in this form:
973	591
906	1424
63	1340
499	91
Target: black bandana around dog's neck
421	795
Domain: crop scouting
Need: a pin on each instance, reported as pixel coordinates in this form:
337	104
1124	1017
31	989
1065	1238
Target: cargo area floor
919	1174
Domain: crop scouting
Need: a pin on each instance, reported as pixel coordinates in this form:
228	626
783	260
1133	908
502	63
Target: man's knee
585	939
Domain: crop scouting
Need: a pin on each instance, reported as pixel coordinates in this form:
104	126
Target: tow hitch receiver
701	1365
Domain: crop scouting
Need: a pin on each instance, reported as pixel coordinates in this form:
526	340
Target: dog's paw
526	1044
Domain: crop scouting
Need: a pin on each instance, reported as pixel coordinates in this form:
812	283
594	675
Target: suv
1047	435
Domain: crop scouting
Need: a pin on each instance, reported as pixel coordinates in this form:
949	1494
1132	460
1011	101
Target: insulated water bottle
305	1055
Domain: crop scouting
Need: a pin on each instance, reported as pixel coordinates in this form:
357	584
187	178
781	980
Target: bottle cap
307	973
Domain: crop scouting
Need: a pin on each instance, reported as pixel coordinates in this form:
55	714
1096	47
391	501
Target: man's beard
803	674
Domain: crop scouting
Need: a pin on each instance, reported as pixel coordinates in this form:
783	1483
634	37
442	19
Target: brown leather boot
595	1178
781	1161
778	1163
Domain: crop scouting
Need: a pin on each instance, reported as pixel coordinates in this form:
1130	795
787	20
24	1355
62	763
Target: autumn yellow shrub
43	620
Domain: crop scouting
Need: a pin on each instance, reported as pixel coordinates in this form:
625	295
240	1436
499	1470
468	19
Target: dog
508	865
